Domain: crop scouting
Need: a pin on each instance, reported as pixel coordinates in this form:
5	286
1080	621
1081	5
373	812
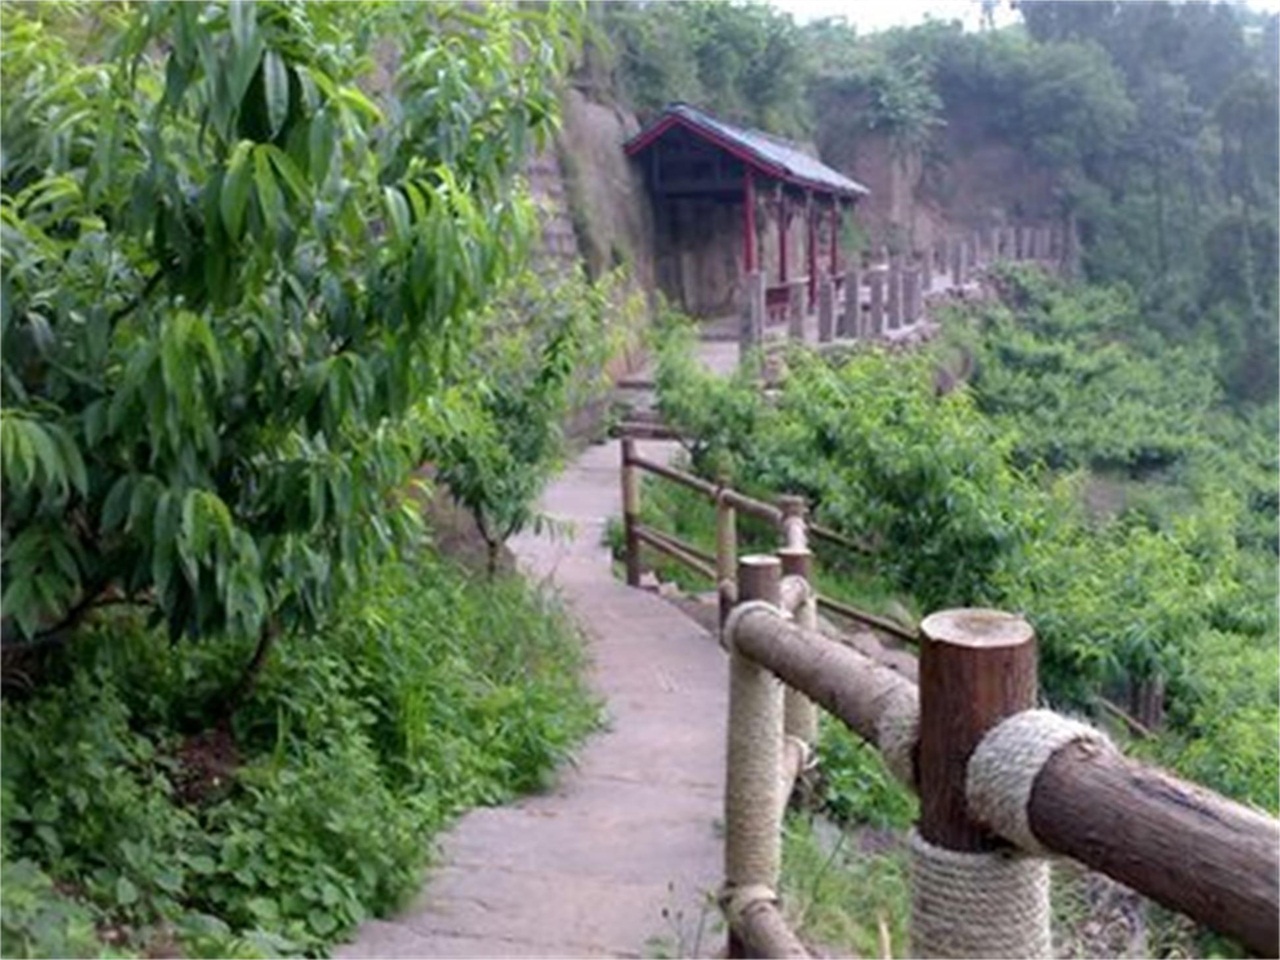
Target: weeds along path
620	857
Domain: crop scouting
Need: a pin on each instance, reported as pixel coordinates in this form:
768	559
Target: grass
841	897
129	826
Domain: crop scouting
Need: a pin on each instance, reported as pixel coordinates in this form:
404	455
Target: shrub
428	695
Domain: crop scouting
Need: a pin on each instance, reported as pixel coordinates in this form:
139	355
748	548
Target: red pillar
782	238
812	243
749	223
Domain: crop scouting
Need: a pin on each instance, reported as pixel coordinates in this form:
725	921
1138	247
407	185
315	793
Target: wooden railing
1002	785
720	567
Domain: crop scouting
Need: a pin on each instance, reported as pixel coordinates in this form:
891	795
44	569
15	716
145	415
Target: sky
870	15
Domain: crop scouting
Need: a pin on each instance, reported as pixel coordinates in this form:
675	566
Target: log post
968	899
726	552
976	668
826	310
875	279
926	274
957	263
631	511
752	811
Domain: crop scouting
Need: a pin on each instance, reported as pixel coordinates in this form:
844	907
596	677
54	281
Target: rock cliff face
963	180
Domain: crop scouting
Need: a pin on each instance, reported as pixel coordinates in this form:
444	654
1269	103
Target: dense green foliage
234	287
744	61
976	497
430	694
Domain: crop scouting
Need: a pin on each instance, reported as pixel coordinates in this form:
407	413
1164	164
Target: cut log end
977	628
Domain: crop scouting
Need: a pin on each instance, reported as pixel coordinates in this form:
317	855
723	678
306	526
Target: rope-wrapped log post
800	714
1046	782
726	553
752	809
971	895
792	526
631	511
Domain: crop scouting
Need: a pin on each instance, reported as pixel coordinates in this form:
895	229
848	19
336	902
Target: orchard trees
235	281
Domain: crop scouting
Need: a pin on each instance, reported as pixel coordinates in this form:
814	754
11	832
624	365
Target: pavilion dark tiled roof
771	155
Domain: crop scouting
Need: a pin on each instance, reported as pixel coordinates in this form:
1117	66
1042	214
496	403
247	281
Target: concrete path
621	857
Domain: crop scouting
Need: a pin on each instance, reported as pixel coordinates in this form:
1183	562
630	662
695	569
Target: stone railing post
751	329
795	311
826	310
850	320
894	298
875	280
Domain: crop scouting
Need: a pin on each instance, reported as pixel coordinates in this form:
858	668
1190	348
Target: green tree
233	286
538	356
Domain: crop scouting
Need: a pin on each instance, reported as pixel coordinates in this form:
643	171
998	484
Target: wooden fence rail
1185	847
729	503
1001	783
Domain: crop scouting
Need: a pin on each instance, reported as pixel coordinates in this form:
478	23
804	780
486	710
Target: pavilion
730	201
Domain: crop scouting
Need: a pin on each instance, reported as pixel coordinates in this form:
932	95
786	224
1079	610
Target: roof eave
646	138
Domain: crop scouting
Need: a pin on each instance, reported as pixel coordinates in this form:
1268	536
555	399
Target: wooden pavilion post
748	222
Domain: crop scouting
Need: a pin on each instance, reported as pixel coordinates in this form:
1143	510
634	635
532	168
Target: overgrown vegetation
128	827
1165	605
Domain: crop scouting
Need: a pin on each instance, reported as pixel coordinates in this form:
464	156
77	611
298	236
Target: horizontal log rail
819	532
676	550
736	502
883	624
697	484
1183	846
